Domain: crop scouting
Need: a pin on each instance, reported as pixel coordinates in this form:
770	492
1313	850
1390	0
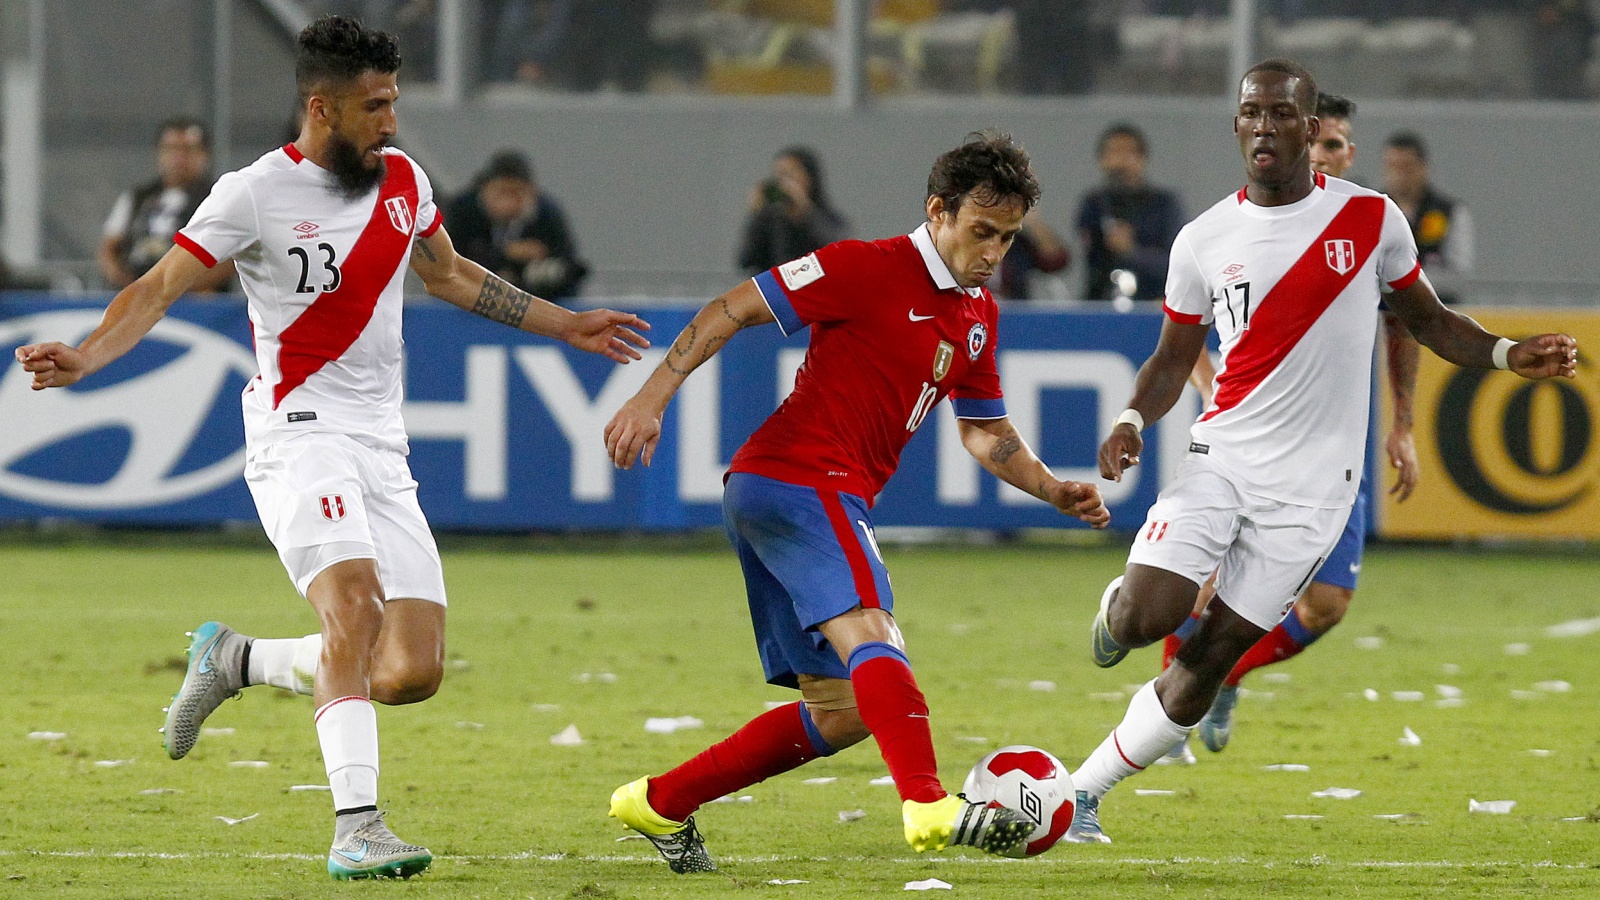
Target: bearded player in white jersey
1290	270
321	231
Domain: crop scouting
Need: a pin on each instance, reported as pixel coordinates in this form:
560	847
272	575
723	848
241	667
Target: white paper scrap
1041	685
1258	695
1448	691
1575	628
1287	767
1371	642
851	815
249	764
46	735
1406	696
1538	752
827	779
460	665
1303	817
1449	702
216	732
230	821
1371	694
729	798
154	791
1525	695
470	726
112	763
1108	696
1151	792
670	725
635	837
783	881
546	707
1276	677
1399	817
1493	807
601	677
569	737
1518	649
299	788
929	884
1553	687
972	739
882	780
1337	793
1409	738
1450	668
1575	818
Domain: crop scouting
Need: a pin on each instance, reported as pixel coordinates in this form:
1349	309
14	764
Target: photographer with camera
790	215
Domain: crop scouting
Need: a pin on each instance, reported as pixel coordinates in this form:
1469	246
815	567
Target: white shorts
1263	551
326	498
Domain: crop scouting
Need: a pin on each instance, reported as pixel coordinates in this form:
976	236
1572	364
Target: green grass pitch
93	645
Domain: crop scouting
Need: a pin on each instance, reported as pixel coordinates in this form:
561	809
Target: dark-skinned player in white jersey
1291	270
322	231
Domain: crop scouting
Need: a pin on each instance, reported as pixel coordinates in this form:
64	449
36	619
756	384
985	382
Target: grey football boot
215	673
364	847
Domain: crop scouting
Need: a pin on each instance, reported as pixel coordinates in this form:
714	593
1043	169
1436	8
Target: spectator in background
508	226
580	45
790	214
1126	224
1037	248
1562	41
1441	225
141	225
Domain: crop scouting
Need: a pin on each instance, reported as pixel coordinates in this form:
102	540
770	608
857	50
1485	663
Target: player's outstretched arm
633	432
1403	353
996	445
461	282
133	312
1458	339
1160	382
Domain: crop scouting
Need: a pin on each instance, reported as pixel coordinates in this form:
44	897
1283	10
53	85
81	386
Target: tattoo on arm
1005	448
421	249
500	302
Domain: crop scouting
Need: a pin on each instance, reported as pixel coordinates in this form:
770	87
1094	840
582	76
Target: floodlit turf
93	641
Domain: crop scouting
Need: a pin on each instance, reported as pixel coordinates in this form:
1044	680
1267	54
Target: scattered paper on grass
1337	793
470	726
1525	695
600	677
1108	696
1410	738
231	821
670	725
1450	668
1574	628
1518	649
1041	685
216	732
1152	792
155	791
783	881
460	665
296	788
1553	687
972	739
729	798
929	884
1287	767
1448	691
1400	817
1575	818
635	837
851	815
569	737
1538	752
1406	696
1257	695
546	707
1370	642
1371	694
113	763
826	779
1449	702
1302	817
959	628
1493	807
1276	677
882	780
46	735
249	764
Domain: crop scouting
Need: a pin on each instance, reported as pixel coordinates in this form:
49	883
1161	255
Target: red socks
1277	645
770	744
893	709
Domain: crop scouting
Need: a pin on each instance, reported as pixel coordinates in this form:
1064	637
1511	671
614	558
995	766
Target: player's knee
410	683
841	728
1323	607
351	623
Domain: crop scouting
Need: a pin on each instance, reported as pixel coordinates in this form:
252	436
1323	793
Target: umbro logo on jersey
399	214
307	230
1233	272
1341	255
332	507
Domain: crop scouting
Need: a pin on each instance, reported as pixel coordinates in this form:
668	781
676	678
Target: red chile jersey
892	334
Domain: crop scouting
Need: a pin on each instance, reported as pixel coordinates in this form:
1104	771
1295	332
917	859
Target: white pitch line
531	856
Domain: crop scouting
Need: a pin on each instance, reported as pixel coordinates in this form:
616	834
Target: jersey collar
942	279
1319	188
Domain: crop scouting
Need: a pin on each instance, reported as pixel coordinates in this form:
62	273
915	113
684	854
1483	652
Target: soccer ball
1030	781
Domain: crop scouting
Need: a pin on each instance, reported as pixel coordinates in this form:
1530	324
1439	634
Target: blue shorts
808	555
1343	566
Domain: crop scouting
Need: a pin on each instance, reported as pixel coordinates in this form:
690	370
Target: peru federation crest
399	214
1341	255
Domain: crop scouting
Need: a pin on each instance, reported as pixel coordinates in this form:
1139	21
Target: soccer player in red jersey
1290	270
896	326
323	231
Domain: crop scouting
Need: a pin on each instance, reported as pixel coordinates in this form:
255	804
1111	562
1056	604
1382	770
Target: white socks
288	663
348	730
1144	735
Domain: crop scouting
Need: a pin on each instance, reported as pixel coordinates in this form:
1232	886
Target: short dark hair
1123	129
337	49
990	167
1408	140
184	123
508	163
1306	92
1335	106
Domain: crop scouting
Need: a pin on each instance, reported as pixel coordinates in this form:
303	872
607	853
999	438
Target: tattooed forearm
688	351
1005	448
420	248
500	302
722	304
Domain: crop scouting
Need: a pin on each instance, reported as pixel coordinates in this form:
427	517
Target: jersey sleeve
825	286
1398	263
978	396
429	217
1188	294
224	224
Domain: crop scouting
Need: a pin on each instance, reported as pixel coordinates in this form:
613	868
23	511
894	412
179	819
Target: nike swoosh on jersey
917	318
354	857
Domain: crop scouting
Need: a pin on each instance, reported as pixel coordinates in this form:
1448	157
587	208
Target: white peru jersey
1294	293
324	276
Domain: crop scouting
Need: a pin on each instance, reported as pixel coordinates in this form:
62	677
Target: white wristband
1130	417
1500	350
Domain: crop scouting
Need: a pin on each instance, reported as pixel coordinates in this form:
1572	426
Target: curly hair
990	168
337	50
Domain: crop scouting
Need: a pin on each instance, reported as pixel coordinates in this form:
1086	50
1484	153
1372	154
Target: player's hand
632	433
1545	356
1076	498
1402	449
1120	451
607	332
53	364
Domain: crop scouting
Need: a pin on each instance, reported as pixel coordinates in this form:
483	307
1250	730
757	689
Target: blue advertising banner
506	428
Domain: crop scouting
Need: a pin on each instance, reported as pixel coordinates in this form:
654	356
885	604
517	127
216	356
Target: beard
351	174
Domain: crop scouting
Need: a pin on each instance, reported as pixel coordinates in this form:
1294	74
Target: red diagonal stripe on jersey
1295	303
334	320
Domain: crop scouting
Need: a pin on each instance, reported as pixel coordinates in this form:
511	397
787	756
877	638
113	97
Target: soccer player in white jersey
321	231
1290	270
